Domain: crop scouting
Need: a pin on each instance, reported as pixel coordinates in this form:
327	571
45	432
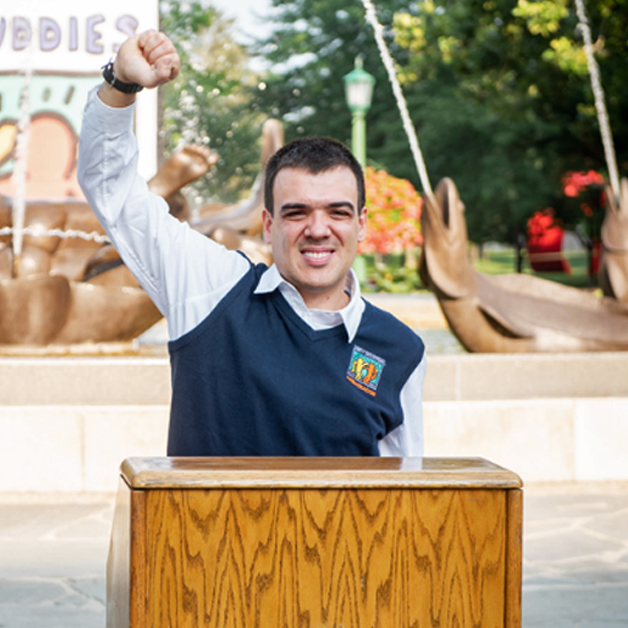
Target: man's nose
318	225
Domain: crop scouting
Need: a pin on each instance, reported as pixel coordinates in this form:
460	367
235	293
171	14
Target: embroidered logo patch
365	370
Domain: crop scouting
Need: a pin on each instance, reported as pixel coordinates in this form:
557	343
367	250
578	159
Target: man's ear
267	221
362	224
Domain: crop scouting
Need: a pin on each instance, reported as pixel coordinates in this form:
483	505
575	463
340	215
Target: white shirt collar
350	315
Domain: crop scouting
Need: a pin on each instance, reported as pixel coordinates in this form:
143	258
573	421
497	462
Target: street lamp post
358	92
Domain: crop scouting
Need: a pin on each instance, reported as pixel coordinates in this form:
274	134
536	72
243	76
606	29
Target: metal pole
358	137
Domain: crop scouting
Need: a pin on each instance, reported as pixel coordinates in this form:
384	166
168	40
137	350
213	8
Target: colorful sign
51	55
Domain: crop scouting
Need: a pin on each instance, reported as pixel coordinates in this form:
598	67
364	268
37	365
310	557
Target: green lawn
502	261
394	277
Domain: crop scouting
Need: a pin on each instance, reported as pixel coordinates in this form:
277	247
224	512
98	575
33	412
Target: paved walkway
576	556
53	555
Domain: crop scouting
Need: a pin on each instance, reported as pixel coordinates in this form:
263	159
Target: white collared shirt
185	273
349	316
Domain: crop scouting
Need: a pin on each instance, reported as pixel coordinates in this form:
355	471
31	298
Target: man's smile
317	256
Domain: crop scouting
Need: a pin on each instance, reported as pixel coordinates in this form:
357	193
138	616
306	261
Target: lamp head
359	87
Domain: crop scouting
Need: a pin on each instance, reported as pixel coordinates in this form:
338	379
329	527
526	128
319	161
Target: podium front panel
315	542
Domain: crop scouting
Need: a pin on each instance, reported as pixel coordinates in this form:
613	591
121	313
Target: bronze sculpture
68	291
509	313
74	290
50	309
613	272
48	301
245	217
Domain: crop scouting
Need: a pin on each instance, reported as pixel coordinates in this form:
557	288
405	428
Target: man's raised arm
184	272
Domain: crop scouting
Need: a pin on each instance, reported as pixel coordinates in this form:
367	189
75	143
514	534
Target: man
286	360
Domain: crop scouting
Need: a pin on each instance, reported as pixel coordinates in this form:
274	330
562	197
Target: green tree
314	45
515	73
497	90
210	103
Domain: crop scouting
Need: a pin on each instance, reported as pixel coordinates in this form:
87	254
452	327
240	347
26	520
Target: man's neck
329	301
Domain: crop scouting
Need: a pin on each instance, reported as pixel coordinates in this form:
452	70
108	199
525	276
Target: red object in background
545	244
576	182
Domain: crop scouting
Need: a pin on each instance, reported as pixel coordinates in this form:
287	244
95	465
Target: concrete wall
547	417
66	423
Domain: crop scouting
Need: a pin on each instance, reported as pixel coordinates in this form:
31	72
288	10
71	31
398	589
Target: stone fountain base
84	349
67	423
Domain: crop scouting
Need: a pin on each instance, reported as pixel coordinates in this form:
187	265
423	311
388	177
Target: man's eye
294	214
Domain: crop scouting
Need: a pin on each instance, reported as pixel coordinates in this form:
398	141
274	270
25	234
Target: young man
286	360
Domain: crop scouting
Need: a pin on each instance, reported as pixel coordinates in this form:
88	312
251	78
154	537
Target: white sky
245	13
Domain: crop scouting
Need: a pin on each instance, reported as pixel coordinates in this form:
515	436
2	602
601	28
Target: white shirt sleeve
407	439
185	273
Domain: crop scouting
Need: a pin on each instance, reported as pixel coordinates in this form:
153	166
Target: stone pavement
53	554
576	556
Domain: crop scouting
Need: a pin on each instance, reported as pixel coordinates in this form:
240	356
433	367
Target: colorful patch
365	370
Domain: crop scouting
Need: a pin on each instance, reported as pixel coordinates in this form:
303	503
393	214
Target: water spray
18	179
600	104
371	17
92	236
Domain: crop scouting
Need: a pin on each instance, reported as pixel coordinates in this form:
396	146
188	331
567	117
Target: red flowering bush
394	214
587	188
576	182
544	236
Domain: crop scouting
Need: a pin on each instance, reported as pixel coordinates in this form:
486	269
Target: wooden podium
315	542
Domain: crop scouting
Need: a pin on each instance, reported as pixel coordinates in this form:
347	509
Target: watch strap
125	88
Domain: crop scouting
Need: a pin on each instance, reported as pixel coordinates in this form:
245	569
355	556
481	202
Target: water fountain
518	313
67	289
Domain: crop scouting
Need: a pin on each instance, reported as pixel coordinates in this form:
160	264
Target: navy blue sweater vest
253	379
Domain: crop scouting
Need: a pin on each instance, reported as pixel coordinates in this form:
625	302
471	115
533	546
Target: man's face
314	231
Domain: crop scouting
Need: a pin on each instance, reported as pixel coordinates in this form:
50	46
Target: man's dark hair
315	155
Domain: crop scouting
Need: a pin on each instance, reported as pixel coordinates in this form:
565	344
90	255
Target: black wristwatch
125	88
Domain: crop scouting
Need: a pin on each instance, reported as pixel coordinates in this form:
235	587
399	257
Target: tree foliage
518	73
498	91
313	46
211	102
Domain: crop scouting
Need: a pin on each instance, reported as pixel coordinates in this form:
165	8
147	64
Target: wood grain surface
139	591
514	557
277	558
315	472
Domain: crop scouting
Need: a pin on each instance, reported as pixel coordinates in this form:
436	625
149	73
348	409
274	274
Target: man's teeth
316	254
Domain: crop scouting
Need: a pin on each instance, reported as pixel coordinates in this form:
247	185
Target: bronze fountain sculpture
515	313
46	302
71	291
613	272
74	291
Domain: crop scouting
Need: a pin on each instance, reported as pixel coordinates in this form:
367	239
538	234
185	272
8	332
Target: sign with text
69	36
51	55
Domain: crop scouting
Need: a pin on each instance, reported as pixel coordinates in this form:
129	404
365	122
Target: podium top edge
316	473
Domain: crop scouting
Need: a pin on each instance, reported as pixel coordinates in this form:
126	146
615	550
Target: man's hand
149	59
